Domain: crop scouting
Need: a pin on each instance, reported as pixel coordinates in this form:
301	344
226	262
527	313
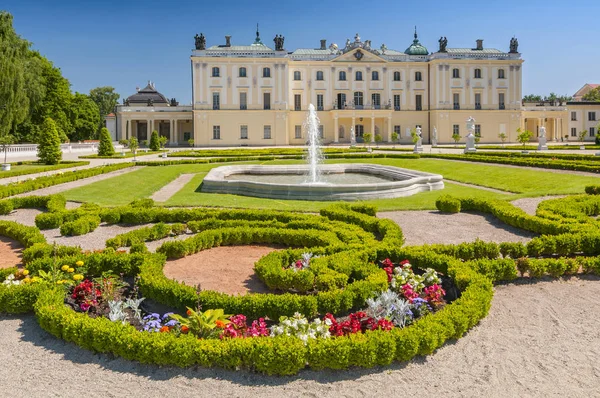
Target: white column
373	129
389	130
353	124
336	131
174	138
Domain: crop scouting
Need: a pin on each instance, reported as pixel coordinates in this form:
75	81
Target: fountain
317	181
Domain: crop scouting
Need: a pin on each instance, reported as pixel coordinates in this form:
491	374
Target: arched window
418	76
477	73
397	76
500	73
358	99
359	75
297	75
242	72
215	72
319	75
374	75
342	76
455	73
341	132
266	72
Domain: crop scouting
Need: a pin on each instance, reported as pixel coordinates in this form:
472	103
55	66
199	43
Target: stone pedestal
542	144
418	148
470	147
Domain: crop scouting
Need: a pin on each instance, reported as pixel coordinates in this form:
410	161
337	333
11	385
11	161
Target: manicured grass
525	182
24	168
125	188
117	155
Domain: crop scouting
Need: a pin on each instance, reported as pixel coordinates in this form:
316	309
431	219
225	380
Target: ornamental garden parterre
345	292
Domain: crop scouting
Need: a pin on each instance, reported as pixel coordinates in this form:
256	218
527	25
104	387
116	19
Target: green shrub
81	226
105	148
154	141
448	204
592	189
49	220
49	150
6	206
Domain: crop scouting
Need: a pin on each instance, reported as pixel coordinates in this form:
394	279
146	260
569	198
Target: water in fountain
315	155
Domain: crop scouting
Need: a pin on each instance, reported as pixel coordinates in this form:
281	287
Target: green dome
416	48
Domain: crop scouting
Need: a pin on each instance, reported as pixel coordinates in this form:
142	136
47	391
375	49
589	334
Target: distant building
578	96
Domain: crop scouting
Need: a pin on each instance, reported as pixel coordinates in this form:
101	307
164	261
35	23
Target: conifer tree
154	142
49	150
106	147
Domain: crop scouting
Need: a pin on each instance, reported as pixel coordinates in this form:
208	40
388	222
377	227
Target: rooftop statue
200	42
514	45
278	40
443	43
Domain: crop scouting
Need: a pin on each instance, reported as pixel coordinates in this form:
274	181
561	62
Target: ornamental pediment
359	55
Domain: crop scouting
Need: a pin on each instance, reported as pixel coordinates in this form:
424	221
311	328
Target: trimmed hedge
40	168
448	204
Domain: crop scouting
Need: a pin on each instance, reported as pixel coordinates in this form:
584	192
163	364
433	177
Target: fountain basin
384	182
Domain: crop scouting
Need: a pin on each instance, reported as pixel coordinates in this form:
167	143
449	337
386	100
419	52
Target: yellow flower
77	277
65	268
59	282
79	263
35	279
71	270
25	272
26	280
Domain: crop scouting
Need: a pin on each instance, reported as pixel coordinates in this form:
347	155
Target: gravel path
165	193
428	227
533	343
95	240
529	205
78	183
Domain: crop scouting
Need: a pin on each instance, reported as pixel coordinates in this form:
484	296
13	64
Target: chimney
479	44
227	41
323	44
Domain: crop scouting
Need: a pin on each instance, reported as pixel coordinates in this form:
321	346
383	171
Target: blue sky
126	43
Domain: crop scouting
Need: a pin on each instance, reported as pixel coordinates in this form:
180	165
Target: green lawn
117	155
526	182
24	168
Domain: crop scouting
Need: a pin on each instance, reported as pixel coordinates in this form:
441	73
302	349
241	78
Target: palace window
358	99
455	73
297	75
266	72
341	132
319	75
478	130
418	76
216	72
267	132
216	101
341	101
374	75
321	131
396	102
358	76
376	100
342	76
573	116
591	116
455	129
477	73
266	101
398	130
297	132
456	100
573	132
242	72
216	132
243	101
592	131
319	102
477	100
419	102
397	77
244	132
297	102
500	73
501	101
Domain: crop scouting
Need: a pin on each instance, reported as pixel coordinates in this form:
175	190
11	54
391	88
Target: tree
133	145
523	136
414	136
154	144
162	141
582	135
20	87
367	138
85	117
106	99
456	138
49	150
593	95
502	137
378	139
106	147
394	137
532	98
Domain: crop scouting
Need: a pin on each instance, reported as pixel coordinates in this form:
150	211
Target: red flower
164	329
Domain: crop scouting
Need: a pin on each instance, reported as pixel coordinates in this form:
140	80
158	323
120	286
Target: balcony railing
320	108
267	107
216	107
456	106
243	107
396	108
478	107
502	106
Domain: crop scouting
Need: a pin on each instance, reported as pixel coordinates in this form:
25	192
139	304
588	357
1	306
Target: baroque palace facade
255	95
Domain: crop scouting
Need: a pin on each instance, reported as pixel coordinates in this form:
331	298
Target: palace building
255	95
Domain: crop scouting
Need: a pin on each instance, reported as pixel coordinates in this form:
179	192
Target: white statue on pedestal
419	143
352	137
542	146
470	147
434	137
